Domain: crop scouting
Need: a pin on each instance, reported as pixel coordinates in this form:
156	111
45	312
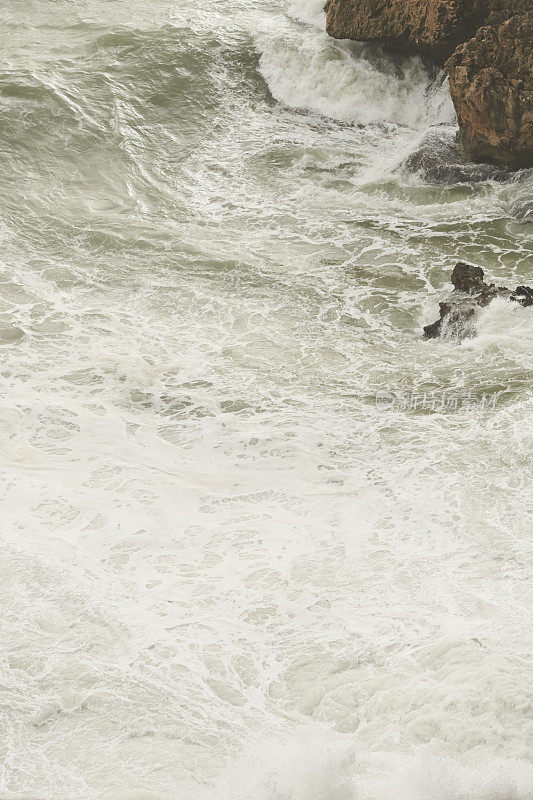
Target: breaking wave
349	82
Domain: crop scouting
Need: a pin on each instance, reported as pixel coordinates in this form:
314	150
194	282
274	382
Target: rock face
471	293
491	83
491	70
431	27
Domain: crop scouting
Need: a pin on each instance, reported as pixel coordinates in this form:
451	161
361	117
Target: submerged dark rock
523	295
470	294
439	159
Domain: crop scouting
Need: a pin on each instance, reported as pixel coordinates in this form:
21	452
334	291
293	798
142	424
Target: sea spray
350	82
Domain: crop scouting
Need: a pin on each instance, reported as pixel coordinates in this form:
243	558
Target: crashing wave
350	82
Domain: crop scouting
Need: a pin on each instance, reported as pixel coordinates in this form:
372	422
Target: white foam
506	327
350	82
315	764
309	11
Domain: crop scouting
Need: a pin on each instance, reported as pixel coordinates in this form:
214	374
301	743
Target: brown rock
433	28
491	83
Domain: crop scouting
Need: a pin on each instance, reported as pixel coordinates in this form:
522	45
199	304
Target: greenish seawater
227	570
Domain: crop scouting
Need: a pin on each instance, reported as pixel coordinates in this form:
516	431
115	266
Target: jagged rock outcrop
491	83
488	44
471	293
431	27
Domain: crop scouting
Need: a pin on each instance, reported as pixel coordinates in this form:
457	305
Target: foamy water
227	572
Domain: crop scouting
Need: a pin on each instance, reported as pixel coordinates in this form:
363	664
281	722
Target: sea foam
348	81
316	764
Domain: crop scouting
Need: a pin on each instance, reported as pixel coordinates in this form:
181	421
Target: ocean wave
507	328
310	12
350	82
211	532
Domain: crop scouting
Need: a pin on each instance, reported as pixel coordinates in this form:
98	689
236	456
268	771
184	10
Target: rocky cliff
488	44
491	82
433	28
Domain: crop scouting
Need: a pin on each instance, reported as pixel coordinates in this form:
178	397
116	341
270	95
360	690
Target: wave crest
350	82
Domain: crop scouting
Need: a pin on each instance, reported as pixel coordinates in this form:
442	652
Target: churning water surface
226	570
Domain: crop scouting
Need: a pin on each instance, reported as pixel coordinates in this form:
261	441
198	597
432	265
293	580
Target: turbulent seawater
227	572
